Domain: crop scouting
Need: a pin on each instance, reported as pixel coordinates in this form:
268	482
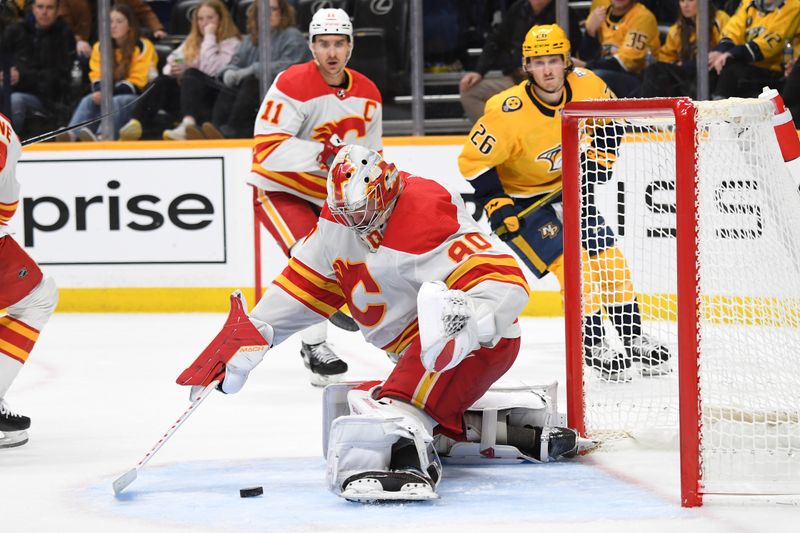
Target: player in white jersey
441	295
308	112
28	297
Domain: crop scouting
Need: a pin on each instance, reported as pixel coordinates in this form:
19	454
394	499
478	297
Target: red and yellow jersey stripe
478	268
302	182
16	338
320	294
7	211
406	337
266	144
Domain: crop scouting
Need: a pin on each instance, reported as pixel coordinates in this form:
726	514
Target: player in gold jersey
750	53
512	159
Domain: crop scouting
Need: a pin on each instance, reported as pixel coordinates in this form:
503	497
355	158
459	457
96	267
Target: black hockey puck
251	492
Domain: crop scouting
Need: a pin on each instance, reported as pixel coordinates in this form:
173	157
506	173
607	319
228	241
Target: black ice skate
653	357
325	367
379	486
13	427
608	365
548	443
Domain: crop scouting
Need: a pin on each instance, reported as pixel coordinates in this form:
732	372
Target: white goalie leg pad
512	425
334	405
364	461
450	326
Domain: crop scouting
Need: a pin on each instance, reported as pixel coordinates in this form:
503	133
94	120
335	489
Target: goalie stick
122	482
64	129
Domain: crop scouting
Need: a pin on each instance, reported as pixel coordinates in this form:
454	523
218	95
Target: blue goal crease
206	494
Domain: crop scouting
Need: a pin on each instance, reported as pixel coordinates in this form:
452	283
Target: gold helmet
545	40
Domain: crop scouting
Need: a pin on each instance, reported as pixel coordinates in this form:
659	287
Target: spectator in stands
620	37
235	109
189	77
750	54
80	16
675	73
10	13
41	49
502	51
134	63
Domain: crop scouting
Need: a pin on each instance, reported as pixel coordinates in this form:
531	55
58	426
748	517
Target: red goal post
728	444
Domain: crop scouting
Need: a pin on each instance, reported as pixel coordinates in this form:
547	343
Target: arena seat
181	19
369	57
392	18
239	12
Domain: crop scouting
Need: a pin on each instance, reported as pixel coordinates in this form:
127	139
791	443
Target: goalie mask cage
708	220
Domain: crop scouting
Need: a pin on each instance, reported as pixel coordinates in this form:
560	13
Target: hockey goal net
708	220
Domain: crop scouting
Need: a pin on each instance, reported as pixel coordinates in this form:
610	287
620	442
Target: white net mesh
748	240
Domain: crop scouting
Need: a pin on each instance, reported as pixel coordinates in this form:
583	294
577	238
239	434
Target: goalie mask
362	188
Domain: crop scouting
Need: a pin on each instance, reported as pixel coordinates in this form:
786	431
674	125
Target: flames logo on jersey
341	128
553	157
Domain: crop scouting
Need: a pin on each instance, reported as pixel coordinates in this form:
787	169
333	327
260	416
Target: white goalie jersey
300	112
333	267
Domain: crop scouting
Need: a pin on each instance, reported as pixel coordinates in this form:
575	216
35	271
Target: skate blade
370	491
318	380
13	439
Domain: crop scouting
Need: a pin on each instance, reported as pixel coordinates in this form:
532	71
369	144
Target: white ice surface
100	390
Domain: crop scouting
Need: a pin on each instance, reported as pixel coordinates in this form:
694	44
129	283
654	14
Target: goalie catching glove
503	217
450	326
234	352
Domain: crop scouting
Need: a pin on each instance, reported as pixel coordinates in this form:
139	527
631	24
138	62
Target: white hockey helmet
362	188
330	21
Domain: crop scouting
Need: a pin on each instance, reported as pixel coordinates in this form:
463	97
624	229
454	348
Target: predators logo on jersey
512	103
525	146
552	156
549	231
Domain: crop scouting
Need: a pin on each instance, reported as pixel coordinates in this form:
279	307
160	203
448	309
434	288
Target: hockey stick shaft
64	129
547	199
122	482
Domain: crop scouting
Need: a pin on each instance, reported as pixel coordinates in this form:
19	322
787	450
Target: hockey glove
503	217
448	329
330	147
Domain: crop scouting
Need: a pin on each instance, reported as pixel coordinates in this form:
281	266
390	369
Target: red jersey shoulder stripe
304	82
405	232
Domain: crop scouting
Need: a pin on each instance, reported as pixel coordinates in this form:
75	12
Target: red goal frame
684	113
